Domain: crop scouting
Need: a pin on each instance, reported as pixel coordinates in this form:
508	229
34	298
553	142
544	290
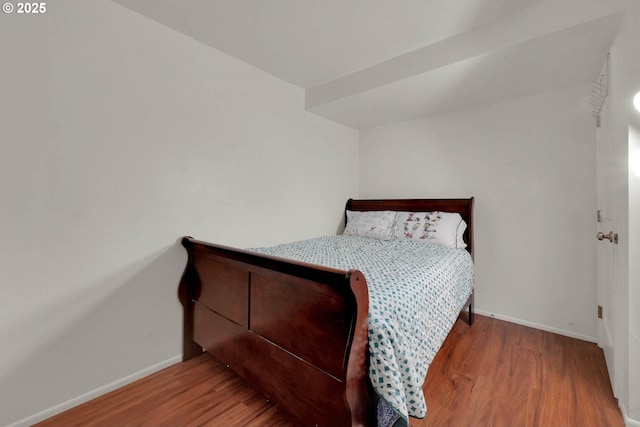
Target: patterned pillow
443	228
372	224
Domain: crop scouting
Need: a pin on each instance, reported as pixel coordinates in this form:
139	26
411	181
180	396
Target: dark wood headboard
462	206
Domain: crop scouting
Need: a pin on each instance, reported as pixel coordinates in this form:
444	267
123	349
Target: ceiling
369	62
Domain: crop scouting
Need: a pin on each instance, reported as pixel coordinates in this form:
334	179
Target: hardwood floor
497	373
491	374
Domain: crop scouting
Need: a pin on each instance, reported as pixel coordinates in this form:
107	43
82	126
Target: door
605	217
610	141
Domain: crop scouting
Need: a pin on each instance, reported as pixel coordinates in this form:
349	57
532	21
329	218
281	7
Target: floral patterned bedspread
416	291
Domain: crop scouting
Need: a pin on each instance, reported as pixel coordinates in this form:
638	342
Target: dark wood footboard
297	331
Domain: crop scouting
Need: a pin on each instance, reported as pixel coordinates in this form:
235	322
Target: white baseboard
628	422
48	413
538	326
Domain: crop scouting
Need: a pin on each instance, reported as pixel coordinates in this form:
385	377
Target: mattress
416	291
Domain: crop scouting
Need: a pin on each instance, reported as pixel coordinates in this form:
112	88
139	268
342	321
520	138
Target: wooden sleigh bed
296	331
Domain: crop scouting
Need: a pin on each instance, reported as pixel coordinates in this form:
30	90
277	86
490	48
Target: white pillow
372	224
444	228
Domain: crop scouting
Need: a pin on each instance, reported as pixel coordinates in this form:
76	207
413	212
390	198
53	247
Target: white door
609	136
605	248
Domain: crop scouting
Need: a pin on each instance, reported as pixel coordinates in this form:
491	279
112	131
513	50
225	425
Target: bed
298	330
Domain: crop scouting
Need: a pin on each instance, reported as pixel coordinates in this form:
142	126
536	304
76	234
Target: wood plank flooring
494	374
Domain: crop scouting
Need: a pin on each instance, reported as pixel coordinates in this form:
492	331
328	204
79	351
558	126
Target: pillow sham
444	228
373	224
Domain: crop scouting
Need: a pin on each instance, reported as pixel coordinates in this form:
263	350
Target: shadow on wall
112	328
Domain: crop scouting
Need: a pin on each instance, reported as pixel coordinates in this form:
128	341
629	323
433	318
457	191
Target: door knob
611	236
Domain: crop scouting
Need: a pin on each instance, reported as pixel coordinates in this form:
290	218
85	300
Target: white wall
631	337
118	136
530	163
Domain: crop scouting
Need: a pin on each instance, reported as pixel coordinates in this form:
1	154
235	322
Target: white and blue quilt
416	291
